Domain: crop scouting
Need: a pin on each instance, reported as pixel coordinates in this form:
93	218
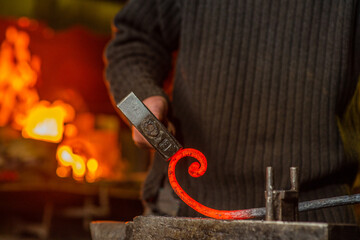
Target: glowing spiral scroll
197	169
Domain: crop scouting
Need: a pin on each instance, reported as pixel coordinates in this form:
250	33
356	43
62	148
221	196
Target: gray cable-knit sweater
258	83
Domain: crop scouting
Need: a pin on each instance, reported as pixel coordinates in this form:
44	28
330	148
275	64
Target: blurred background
66	158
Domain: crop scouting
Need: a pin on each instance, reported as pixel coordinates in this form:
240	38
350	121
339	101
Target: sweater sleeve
138	58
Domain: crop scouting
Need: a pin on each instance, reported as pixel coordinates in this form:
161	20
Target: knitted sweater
258	83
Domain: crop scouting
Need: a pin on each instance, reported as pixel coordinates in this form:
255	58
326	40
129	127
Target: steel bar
329	202
313	204
294	178
269	194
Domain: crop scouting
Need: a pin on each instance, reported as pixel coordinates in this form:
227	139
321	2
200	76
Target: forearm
137	72
139	56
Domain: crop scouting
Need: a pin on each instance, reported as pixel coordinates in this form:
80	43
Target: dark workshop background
51	57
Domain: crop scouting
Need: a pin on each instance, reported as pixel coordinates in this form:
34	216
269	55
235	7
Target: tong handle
149	126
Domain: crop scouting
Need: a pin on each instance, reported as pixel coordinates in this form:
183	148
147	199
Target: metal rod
313	204
269	194
294	178
329	202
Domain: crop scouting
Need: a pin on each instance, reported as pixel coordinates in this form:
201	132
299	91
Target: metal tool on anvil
166	144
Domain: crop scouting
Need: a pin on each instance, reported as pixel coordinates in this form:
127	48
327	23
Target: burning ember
69	161
83	152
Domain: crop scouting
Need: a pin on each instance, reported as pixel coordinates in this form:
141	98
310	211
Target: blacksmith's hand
158	105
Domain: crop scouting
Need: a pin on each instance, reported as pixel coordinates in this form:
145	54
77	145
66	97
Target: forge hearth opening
65	157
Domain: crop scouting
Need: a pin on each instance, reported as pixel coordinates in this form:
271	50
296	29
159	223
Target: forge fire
78	155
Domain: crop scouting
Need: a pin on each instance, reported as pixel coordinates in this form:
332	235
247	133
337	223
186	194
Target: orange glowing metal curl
168	147
197	169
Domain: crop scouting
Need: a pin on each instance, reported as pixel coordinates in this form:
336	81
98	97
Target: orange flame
20	107
79	165
67	158
46	122
92	165
18	75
